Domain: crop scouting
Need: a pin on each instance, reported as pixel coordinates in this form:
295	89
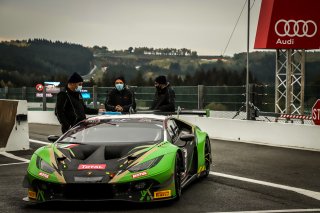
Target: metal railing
187	97
218	98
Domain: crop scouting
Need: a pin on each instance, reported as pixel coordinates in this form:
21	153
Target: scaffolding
290	81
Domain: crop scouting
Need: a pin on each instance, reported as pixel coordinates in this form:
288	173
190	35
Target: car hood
82	163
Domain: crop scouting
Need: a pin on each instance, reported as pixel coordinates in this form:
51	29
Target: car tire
177	177
207	157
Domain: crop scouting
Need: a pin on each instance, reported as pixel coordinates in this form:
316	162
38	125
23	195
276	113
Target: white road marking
9	155
274	211
39	142
312	194
9	164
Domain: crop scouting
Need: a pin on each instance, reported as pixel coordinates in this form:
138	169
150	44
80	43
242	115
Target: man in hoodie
120	98
164	98
70	108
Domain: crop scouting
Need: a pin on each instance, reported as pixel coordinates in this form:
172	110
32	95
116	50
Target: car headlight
44	166
145	165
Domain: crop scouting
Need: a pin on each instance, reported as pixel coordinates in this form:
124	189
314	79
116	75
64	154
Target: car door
175	129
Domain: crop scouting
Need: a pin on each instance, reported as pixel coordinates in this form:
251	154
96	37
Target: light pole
247	75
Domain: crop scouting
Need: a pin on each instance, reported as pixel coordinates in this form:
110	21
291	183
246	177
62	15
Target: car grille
87	191
88	179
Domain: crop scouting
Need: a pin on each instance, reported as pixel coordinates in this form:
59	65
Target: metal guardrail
187	97
217	98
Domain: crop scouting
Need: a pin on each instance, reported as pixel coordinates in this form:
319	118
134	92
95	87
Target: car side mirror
187	137
53	138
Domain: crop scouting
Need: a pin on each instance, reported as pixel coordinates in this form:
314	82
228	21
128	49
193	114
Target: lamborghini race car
137	157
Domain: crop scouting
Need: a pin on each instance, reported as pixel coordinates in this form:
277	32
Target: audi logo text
296	28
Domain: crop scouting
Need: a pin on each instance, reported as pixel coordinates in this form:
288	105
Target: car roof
149	116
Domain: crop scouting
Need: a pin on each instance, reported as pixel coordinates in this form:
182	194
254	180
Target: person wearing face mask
120	98
70	108
164	98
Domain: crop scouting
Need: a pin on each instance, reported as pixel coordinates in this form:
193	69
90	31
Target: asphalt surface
216	193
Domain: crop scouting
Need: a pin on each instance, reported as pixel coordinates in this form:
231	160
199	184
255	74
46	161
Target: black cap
120	78
75	78
161	79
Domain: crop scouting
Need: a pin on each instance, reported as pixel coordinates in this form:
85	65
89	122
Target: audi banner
288	24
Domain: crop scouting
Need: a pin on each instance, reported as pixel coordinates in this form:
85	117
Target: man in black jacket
164	99
70	108
120	98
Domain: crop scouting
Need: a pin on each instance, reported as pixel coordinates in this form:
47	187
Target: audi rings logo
298	28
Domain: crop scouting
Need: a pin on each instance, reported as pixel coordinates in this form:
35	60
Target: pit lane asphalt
295	168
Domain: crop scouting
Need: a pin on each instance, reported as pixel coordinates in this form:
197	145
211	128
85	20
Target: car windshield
115	131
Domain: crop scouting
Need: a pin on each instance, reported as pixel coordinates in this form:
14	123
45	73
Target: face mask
119	87
79	88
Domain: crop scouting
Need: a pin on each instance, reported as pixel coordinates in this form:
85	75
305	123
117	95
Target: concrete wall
300	136
43	117
19	134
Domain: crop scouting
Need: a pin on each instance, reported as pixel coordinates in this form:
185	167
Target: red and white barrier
304	117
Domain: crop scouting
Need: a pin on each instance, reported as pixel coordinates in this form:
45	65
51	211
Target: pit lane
241	180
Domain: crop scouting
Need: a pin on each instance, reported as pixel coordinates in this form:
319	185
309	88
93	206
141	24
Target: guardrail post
95	96
200	96
6	92
44	98
24	93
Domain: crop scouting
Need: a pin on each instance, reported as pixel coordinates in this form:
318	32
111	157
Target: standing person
164	99
70	108
120	98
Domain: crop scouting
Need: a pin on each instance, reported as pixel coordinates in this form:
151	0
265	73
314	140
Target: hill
25	63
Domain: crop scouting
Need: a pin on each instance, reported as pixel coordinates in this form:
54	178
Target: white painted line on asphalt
9	164
274	211
312	194
39	142
9	155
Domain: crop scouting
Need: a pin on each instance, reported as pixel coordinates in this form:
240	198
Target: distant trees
130	49
212	77
37	60
27	62
164	51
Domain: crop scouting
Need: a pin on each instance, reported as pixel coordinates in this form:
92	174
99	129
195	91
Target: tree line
27	62
149	51
210	77
23	63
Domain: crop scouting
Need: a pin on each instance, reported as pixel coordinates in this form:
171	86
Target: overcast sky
200	25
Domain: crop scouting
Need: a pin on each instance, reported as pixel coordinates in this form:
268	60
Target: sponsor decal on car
32	194
42	174
162	194
92	166
71	146
201	169
140	174
68	146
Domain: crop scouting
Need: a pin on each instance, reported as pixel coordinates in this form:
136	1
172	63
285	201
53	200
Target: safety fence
187	97
229	101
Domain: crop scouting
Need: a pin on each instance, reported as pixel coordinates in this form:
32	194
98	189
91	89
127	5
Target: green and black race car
137	157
